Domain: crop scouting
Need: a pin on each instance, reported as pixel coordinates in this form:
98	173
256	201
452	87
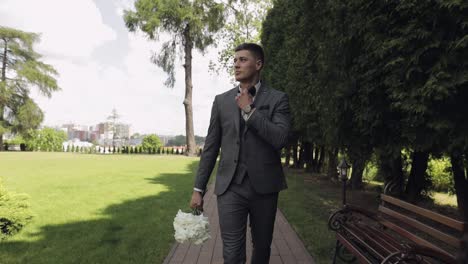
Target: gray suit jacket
266	131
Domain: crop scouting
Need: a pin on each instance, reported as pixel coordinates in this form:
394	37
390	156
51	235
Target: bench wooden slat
355	251
413	237
422	227
455	224
380	239
366	241
388	240
388	243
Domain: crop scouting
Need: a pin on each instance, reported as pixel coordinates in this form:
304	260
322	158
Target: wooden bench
399	233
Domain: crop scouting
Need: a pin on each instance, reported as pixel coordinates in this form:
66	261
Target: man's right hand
197	201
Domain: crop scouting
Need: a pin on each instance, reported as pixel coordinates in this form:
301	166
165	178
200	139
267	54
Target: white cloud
71	29
124	5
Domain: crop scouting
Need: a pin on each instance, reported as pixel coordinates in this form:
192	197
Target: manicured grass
307	208
445	199
96	208
440	198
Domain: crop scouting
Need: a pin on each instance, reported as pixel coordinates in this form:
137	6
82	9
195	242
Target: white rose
191	228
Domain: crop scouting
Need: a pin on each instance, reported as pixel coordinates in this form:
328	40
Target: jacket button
235	161
237	142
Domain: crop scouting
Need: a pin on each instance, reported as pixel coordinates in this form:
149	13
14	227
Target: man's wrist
198	190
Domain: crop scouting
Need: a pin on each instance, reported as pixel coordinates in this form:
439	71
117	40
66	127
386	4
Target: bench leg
336	251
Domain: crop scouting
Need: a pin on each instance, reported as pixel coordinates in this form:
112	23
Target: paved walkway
286	248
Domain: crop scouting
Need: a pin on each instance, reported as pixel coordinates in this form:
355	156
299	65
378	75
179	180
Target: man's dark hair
256	50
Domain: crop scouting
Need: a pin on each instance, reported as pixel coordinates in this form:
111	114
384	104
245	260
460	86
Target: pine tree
21	69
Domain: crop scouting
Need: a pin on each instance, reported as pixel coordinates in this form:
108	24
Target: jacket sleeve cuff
198	190
249	115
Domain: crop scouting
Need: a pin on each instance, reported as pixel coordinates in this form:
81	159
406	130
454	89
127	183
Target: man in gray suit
250	124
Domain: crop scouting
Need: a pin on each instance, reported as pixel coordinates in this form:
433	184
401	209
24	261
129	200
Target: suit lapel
234	109
261	96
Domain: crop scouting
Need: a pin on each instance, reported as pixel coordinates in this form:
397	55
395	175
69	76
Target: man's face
246	65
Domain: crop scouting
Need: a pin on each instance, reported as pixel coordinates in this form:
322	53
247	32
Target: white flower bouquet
191	227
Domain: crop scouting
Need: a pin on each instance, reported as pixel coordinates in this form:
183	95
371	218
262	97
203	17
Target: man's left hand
244	99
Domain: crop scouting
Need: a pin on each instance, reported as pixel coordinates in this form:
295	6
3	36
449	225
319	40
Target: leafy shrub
14	213
439	171
370	172
46	139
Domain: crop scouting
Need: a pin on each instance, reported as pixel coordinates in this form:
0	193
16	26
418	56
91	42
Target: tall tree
412	66
243	24
374	76
21	69
192	24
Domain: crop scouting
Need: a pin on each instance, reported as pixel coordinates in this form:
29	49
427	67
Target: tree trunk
287	155
461	182
3	92
464	248
307	153
190	135
417	178
356	175
398	176
332	164
314	158
391	168
358	155
321	159
295	147
300	164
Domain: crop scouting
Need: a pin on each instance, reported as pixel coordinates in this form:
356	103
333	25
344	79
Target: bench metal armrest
349	213
416	252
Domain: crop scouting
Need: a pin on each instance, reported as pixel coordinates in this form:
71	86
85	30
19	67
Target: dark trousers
234	206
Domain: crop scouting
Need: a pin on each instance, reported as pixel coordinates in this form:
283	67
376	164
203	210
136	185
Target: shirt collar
257	86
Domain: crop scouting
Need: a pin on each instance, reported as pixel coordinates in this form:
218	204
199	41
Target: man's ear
259	65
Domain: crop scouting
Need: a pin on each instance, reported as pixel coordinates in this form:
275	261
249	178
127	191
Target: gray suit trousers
234	206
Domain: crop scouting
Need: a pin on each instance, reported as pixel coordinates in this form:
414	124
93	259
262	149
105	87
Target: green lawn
96	208
307	208
119	208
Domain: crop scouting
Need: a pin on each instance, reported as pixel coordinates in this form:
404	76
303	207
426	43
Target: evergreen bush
14	213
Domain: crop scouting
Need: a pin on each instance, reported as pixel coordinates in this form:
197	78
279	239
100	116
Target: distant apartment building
117	135
107	130
76	132
82	135
103	133
122	131
102	128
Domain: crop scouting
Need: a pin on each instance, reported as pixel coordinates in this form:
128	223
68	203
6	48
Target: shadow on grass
135	231
308	203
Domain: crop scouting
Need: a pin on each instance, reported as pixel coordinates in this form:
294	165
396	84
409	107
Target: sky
103	66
